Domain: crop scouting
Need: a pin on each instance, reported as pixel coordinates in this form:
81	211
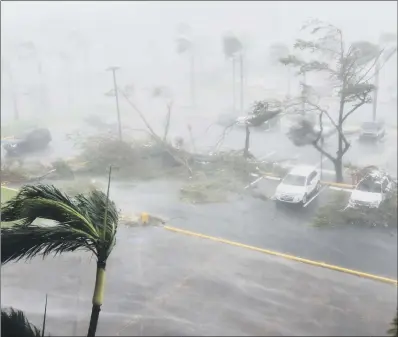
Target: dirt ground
167	284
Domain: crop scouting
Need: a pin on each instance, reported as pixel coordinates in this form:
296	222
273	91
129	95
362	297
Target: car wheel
304	200
318	186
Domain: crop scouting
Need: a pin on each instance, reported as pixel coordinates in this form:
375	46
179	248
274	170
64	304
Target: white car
298	185
370	192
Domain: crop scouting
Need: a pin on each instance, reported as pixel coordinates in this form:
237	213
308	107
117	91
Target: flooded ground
166	284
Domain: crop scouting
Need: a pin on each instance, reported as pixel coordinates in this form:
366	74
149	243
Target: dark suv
35	140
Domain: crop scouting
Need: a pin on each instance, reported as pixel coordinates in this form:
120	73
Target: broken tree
350	69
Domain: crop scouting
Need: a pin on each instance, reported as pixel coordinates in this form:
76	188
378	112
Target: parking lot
167	284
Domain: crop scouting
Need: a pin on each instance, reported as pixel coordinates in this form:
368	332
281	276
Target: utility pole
241	83
192	72
234	82
113	69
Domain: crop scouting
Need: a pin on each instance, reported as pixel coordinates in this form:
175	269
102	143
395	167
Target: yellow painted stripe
329	183
9	188
286	256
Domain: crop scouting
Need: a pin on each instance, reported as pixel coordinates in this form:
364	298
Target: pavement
161	283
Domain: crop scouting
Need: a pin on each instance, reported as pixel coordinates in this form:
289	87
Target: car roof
302	170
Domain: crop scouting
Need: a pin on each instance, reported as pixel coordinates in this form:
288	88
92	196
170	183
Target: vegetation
85	222
14	323
349	68
336	213
393	331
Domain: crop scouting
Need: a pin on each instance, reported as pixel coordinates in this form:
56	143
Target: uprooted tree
350	68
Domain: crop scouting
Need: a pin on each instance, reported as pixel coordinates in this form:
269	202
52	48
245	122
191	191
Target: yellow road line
286	256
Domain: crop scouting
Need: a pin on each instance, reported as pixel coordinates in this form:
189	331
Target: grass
6	194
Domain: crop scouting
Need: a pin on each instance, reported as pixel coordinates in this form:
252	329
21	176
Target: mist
200	136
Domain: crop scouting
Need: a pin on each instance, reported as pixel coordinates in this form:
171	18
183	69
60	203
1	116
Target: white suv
298	185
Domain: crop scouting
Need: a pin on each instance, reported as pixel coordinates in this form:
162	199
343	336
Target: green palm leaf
79	223
14	323
393	331
25	242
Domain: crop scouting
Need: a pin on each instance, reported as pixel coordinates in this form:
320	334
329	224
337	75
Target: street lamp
113	69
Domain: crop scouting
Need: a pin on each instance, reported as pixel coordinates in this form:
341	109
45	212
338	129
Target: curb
286	256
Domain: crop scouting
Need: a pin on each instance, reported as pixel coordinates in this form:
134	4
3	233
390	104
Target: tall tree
185	45
349	69
233	49
279	51
85	222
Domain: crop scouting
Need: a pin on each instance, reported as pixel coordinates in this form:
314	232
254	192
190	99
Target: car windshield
294	180
369	186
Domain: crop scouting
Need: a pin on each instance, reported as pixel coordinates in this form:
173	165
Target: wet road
265	224
167	284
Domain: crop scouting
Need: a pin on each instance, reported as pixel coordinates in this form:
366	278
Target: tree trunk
241	84
338	167
97	298
247	143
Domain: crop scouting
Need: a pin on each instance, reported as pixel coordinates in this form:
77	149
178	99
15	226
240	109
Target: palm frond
22	242
46	202
14	323
393	331
79	223
95	205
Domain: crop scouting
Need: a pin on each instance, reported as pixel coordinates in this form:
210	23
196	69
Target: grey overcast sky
139	36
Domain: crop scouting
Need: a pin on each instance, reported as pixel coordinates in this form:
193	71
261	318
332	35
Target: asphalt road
256	222
166	284
265	224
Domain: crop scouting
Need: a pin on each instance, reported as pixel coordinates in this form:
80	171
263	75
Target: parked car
371	191
372	131
299	185
35	140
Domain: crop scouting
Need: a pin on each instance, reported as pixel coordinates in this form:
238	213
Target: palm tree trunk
98	298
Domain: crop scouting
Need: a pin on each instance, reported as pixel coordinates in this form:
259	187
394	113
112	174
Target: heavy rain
199	168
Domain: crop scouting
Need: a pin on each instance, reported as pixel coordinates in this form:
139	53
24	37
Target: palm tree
185	45
232	48
14	323
85	222
393	331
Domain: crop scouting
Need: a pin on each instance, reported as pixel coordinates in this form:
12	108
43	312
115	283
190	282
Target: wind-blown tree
232	48
14	323
184	45
85	222
261	112
349	68
279	51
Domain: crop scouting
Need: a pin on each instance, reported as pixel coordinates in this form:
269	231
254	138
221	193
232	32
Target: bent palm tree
15	323
83	222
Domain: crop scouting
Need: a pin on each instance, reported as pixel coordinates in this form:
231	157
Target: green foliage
79	223
15	324
393	331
